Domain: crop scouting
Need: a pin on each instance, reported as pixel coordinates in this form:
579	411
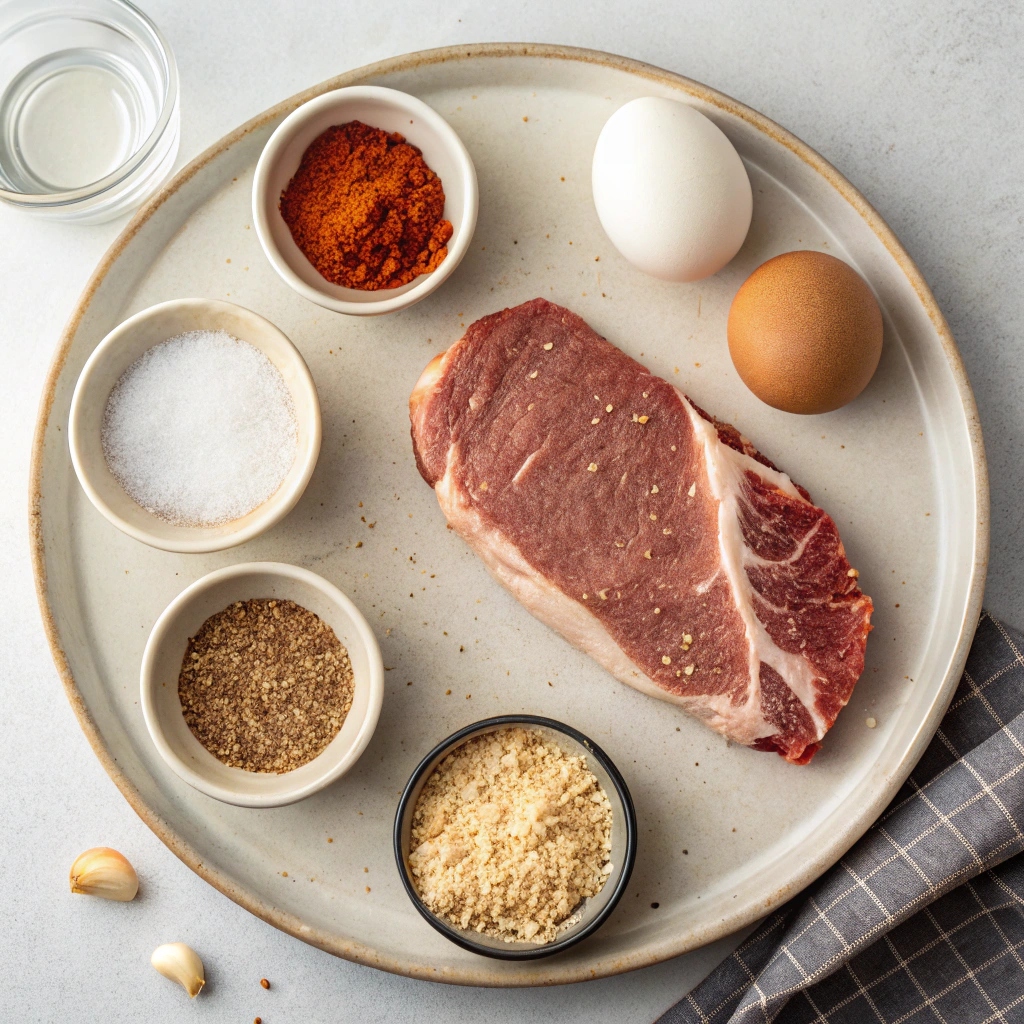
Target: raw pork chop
651	536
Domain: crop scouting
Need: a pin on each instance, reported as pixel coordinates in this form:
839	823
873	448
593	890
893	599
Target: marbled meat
651	536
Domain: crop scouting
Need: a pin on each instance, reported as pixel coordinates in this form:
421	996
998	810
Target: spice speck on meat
265	685
510	835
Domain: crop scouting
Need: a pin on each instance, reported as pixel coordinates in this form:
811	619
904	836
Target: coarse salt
201	429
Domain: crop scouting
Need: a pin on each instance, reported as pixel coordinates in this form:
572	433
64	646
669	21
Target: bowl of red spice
365	200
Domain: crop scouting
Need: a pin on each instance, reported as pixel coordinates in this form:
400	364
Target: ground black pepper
265	685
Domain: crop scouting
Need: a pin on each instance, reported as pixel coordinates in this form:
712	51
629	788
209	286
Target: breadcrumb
510	834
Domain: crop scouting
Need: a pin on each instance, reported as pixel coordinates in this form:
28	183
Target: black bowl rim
622	791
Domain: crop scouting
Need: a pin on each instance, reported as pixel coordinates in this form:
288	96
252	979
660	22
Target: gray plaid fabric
922	922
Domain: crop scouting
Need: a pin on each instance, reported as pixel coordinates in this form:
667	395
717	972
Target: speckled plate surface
725	833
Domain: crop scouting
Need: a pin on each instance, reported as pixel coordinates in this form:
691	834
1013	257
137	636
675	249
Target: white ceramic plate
725	833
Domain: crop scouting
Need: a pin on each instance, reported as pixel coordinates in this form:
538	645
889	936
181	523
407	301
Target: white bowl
392	111
118	350
161	665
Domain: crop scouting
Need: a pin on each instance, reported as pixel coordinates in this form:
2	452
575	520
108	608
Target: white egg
670	189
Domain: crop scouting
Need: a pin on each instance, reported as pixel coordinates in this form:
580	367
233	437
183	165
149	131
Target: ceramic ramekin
161	665
594	912
118	350
392	111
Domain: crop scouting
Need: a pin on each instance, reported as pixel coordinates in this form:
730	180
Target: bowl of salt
195	425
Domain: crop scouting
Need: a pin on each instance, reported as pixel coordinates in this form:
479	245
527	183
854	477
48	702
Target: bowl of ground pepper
261	684
365	200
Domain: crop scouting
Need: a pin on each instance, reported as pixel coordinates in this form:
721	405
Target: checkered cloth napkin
922	922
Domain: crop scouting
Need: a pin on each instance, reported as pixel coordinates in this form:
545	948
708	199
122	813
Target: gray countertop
919	105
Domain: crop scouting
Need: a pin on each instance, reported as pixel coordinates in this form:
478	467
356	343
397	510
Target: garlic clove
106	873
180	963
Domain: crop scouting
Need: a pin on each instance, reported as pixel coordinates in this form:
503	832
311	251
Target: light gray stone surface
919	105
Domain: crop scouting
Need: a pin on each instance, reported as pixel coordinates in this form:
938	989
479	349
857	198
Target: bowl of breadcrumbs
515	837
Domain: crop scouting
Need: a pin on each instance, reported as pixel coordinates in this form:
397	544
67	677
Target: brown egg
805	332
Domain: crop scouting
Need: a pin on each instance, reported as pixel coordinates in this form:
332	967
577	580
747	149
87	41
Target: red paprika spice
365	209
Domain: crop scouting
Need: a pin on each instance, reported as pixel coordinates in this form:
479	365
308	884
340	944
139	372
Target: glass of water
88	107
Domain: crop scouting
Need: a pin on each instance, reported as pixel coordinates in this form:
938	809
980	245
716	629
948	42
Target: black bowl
595	911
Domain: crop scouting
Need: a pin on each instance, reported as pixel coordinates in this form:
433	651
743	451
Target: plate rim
485	974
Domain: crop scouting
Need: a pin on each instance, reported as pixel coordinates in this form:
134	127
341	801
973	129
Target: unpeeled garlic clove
104	872
180	963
